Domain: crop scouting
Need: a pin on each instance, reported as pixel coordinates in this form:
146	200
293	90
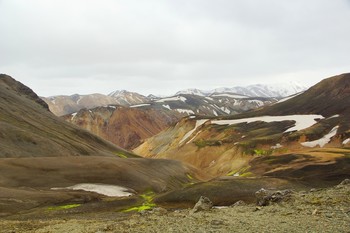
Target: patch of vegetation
64	207
231	173
203	143
121	155
261	152
147	203
247	174
189	176
240	172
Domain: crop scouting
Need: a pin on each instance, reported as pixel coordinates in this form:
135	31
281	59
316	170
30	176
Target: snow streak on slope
104	189
346	141
185	111
230	95
301	121
139	105
189	133
175	98
322	141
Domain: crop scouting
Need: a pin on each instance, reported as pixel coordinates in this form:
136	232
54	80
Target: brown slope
123	126
27	128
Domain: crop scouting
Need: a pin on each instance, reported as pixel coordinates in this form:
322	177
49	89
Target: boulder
266	197
204	204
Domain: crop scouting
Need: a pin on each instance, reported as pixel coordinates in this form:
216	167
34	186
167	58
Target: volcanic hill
305	137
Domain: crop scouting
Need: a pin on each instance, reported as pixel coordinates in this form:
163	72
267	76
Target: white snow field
301	121
104	189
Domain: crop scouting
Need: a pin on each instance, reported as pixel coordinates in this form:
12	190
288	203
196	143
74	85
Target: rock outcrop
204	204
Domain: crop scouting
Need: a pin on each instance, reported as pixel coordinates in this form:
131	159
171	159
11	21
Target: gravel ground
323	210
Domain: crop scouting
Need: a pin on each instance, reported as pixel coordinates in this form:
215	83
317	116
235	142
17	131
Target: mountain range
62	105
257	90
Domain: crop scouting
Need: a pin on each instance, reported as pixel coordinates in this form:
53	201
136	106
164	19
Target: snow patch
301	121
257	102
215	113
139	105
175	98
226	110
185	111
166	106
189	133
289	97
346	141
80	98
104	189
337	115
230	95
73	115
276	146
322	141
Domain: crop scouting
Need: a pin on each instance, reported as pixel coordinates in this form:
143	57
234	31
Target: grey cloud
163	46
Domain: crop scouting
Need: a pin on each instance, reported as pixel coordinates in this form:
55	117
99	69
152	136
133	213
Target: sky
163	46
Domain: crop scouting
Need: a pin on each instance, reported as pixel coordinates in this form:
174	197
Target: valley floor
318	210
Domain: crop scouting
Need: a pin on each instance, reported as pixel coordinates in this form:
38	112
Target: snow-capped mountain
271	90
193	91
257	90
128	98
214	105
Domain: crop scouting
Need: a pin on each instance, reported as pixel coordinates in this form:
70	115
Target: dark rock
204	204
266	197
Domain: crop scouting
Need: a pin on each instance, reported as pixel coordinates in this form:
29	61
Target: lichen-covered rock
204	204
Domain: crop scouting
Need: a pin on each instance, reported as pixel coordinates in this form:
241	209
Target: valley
121	162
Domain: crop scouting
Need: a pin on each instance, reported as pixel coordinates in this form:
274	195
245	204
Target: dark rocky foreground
316	210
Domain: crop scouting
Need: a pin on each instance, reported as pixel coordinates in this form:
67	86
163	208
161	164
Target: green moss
260	152
203	143
140	208
240	171
121	155
189	176
147	203
231	173
247	174
200	143
64	207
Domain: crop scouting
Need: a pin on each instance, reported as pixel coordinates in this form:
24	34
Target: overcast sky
162	46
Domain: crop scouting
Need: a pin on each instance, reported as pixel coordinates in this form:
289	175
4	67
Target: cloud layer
161	46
